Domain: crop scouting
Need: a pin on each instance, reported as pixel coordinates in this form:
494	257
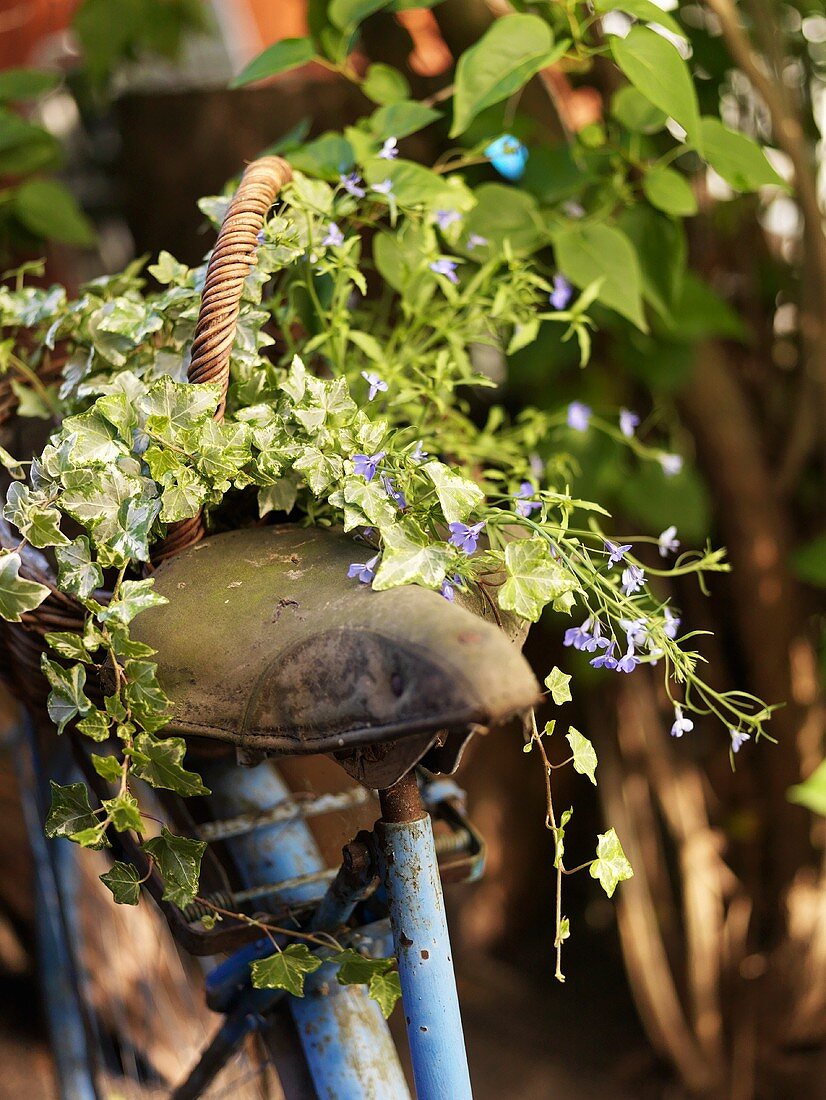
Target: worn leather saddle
266	644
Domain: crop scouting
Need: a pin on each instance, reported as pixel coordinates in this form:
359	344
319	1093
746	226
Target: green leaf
29	402
124	883
407	560
504	59
67	698
108	767
589	252
534	578
660	246
285	969
585	758
417	186
328	156
559	836
282	56
47	209
385	85
739	160
175	407
179	860
610	866
133	597
506	214
17	595
158	762
458	495
67	644
95	725
669	192
655	68
636	113
385	989
812	792
645	10
558	684
17	84
356	969
809	562
70	812
77	574
143	693
124	812
401	119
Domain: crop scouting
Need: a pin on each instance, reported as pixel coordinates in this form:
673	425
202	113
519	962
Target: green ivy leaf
95	725
285	969
77	574
506	214
67	644
124	883
458	495
179	861
586	253
149	703
739	160
17	595
559	836
124	812
410	560
585	758
534	578
610	866
134	597
385	989
655	68
281	57
108	767
158	762
70	813
504	59
67	698
557	683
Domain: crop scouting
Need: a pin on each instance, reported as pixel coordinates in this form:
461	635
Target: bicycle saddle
267	644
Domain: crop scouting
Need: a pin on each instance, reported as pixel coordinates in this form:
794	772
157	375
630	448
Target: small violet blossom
562	292
334	238
365	465
508	156
671	464
475	241
667	542
396	495
632	579
448	589
353	185
629	662
384	188
446	268
628	422
465	536
672	623
374	382
419	454
738	739
524	506
260	236
606	659
579	416
365	571
446	218
587	637
389	150
681	725
615	552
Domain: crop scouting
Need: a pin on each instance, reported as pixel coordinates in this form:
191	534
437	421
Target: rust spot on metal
402	802
404	941
425	954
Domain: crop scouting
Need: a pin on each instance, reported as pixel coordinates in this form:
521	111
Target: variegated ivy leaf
279	497
295	383
133	597
95	440
68	645
120	325
457	495
33	514
124	812
610	867
77	574
159	764
182	495
410	560
67	699
124	883
559	836
179	860
17	594
222	449
585	757
129	539
534	580
147	700
558	684
320	470
365	504
70	813
285	969
172	408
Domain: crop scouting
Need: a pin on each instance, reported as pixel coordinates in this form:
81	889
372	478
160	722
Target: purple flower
365	465
475	241
446	268
577	636
524	506
508	156
365	571
389	151
629	662
628	421
562	292
353	185
635	631
667	543
446	218
448	589
465	536
579	416
632	579
681	725
606	659
738	739
395	494
419	454
573	209
537	465
384	188
671	464
260	237
374	382
672	623
616	553
334	238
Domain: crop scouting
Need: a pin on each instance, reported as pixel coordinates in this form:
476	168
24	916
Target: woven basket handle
229	265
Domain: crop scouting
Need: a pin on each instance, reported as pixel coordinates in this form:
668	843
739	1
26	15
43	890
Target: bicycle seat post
422	944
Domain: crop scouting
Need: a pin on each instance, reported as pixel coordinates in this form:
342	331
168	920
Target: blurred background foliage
115	115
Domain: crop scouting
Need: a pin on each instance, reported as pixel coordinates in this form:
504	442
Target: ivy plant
397	290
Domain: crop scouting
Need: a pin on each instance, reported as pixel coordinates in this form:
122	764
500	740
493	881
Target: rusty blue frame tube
345	1039
422	943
